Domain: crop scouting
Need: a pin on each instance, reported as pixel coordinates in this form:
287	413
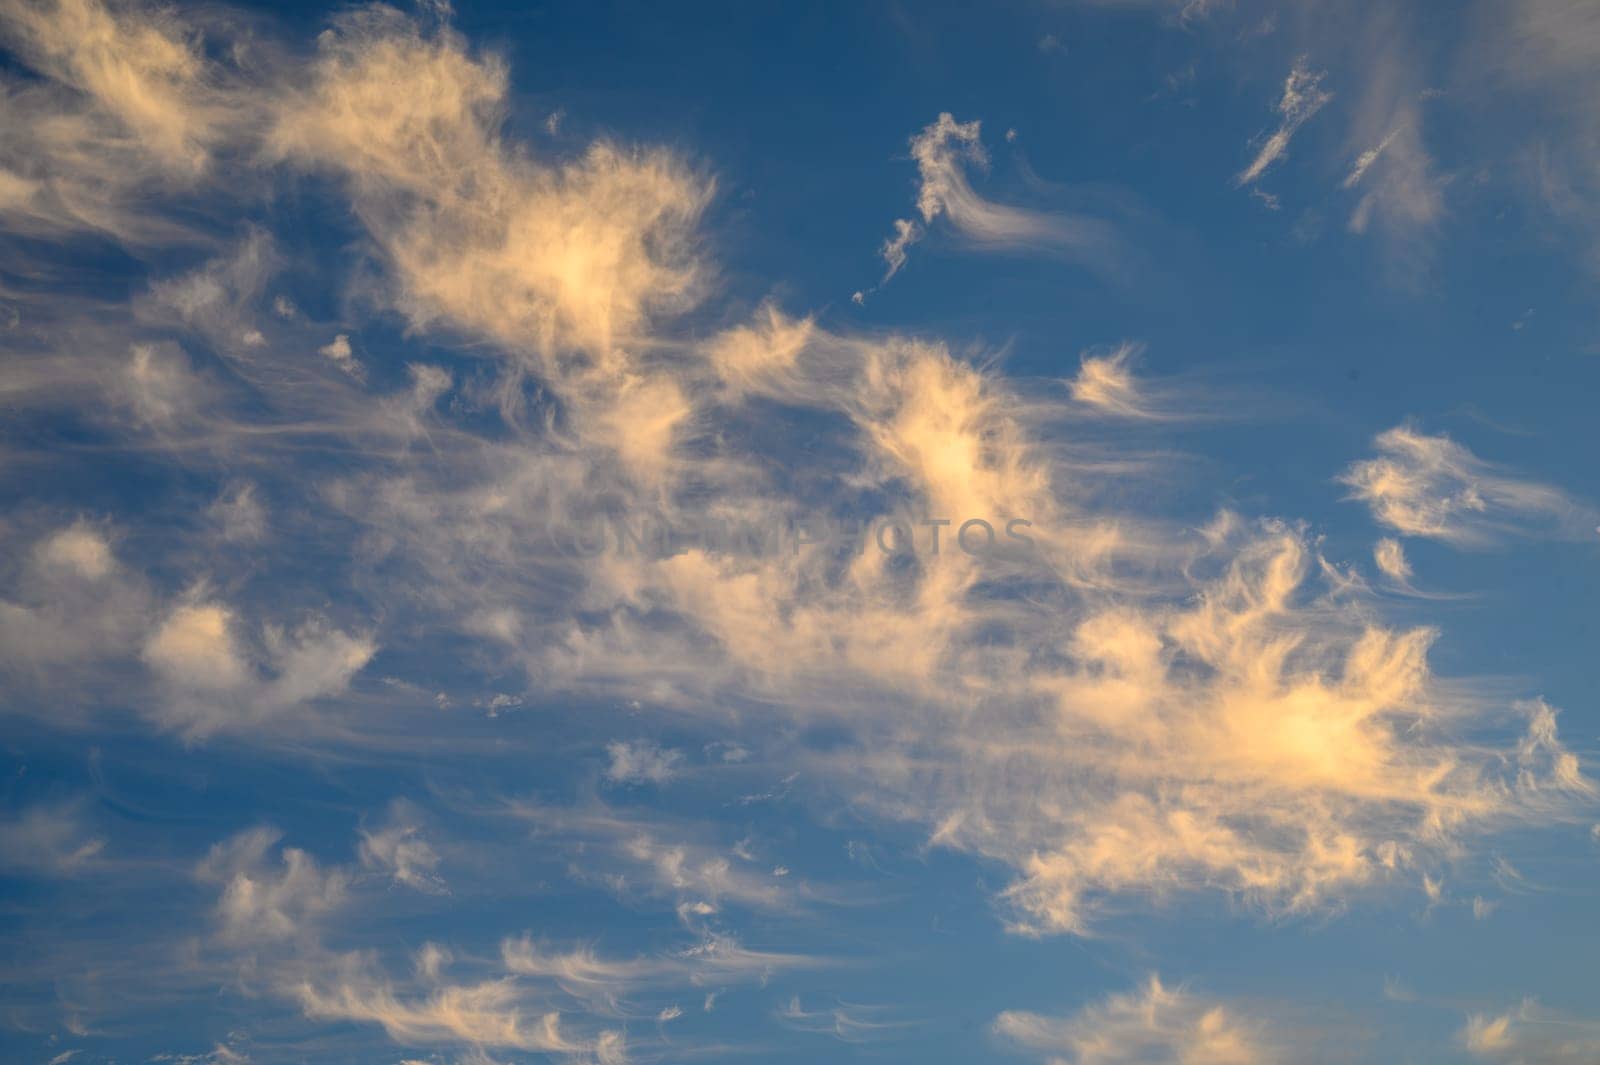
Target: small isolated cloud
641	762
211	681
195	648
1432	487
1532	1035
1390	559
646	856
846	1022
906	232
1106	383
337	351
1178	12
48	840
79	548
1303	96
1399	189
944	152
160	387
266	900
74	602
238	514
1365	160
1155	1024
398	850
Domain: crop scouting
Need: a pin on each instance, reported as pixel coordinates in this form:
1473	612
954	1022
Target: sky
1056	532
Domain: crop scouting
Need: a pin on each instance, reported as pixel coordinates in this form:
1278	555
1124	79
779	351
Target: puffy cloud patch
1157	1025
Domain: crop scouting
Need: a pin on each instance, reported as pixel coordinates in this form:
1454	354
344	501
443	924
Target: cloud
640	762
1303	96
1399	190
1186	711
1127	712
140	67
49	839
478	236
280	914
1532	1035
635	854
129	109
847	1022
944	151
211	683
1105	383
80	549
1154	1025
399	850
1544	54
601	983
239	514
161	386
1390	558
906	233
1364	161
73	604
490	1013
1432	487
195	648
266	902
338	352
1182	12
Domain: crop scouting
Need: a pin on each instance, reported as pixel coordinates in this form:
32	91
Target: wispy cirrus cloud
1155	1024
1435	488
1303	96
1134	711
1531	1035
1291	770
945	151
281	915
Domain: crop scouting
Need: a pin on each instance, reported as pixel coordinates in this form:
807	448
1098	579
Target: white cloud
1165	711
195	648
239	514
338	352
1105	382
399	850
1364	161
1532	1035
635	854
80	548
1432	487
1390	558
265	901
128	108
211	682
49	839
846	1022
490	1013
1399	190
540	256
640	762
74	603
161	387
1303	96
944	151
1153	1026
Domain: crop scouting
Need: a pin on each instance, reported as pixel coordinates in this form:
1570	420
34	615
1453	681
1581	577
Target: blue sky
1260	336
